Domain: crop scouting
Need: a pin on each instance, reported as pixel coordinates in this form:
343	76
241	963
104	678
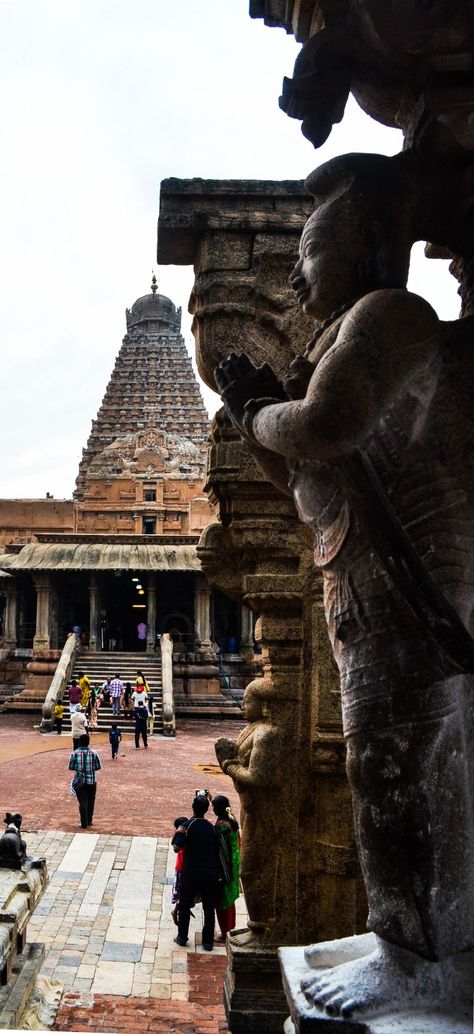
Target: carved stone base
307	1019
254	999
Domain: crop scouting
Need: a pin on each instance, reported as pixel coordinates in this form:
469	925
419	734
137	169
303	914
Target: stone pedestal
253	995
307	1019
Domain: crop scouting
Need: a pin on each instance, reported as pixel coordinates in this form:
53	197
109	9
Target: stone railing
59	682
169	719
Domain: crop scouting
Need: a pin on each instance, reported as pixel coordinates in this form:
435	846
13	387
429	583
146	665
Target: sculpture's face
251	708
327	274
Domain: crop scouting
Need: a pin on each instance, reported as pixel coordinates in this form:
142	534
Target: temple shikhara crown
146	455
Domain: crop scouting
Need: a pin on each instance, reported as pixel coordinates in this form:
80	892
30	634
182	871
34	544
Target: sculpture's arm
263	766
272	466
382	342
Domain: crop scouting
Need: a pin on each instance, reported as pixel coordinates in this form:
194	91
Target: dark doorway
122	607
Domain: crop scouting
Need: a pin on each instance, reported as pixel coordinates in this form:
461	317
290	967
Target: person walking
58	712
151	714
127	700
85	685
114	739
142	629
140	714
200	871
78	725
139	695
85	763
116	688
228	844
105	688
74	695
94	703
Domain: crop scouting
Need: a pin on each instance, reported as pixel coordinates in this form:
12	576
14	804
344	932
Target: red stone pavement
202	1014
138	794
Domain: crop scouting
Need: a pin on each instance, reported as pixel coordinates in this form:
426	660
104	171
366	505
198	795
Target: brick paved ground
105	917
141	792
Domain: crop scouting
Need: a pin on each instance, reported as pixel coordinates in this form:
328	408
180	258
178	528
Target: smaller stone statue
253	762
13	848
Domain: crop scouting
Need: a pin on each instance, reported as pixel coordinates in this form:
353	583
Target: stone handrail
60	680
169	720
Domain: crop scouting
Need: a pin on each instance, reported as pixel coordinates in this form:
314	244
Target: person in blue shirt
114	738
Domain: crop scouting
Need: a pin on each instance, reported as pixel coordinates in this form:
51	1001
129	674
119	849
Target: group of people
207	855
86	699
207	868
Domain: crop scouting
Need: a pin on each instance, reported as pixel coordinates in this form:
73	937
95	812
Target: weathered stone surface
310	1019
260	555
366	426
241	236
391	57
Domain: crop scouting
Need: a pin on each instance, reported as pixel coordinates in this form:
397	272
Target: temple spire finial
154	284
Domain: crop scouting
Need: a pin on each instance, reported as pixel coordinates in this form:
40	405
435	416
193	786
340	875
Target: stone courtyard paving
105	918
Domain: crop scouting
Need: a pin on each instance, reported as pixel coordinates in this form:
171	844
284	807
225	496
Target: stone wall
22	519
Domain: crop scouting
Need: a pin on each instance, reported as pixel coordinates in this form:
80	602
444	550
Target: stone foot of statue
335	953
387	978
254	934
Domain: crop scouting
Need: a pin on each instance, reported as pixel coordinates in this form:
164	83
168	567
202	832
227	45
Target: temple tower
144	462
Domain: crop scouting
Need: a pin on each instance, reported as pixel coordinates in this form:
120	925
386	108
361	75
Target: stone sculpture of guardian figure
374	431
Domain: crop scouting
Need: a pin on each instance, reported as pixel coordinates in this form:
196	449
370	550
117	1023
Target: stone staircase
8	693
100	666
20	698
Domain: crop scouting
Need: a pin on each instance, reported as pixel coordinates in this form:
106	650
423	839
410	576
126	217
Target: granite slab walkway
106	922
105	918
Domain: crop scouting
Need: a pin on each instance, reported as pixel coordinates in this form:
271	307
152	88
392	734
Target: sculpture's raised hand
239	380
225	749
300	374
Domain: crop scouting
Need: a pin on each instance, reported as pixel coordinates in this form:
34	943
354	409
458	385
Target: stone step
7	690
105	718
214	711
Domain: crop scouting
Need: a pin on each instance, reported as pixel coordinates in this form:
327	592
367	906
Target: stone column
258	554
202	613
10	637
246	633
94	609
42	637
151	613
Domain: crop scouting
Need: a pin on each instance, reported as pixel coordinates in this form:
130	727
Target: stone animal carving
253	762
12	846
374	428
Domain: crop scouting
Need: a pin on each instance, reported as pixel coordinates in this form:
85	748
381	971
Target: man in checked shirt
85	763
116	688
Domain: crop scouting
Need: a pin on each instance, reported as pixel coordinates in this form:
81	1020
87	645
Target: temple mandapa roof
97	556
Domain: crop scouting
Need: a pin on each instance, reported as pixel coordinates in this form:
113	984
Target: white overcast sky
101	100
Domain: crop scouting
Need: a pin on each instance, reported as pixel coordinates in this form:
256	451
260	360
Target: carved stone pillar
94	608
259	555
202	613
42	637
10	637
151	613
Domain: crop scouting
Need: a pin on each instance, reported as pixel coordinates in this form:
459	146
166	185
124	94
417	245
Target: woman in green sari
228	840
